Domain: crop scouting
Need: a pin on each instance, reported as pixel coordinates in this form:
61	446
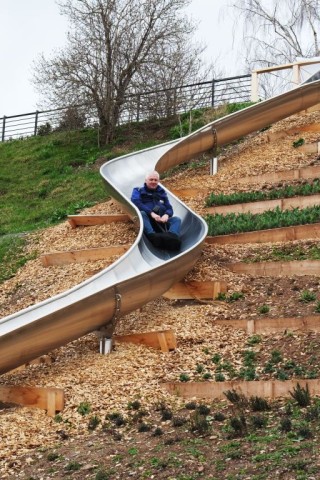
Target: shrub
44	129
93	422
199	423
301	395
258	404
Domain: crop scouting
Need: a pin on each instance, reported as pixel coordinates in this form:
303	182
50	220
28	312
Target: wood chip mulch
131	372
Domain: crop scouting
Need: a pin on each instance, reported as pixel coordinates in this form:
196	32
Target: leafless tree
113	46
276	32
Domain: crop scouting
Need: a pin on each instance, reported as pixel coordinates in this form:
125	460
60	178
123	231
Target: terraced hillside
114	424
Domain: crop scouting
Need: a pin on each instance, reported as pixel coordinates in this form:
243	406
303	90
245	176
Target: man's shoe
172	241
155	239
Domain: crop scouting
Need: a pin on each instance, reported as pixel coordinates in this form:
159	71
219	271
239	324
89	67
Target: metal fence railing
138	107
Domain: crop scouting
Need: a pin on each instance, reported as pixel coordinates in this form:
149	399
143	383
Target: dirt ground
118	421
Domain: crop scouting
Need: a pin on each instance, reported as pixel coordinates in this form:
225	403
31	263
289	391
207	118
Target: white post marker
213	165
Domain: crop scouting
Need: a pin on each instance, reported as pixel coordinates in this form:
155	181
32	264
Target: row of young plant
262	433
288	252
288	191
275	367
219	224
138	415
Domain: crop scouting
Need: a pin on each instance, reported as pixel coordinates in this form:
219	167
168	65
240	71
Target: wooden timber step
262	206
310	147
49	399
284	234
86	255
300	173
265	389
196	290
277	269
163	340
90	220
274	325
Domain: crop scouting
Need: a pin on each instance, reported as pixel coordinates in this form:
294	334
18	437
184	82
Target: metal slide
144	272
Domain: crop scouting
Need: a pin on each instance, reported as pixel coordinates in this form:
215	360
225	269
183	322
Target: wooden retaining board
90	220
263	206
284	234
85	255
265	389
163	340
50	399
196	290
274	325
277	269
300	173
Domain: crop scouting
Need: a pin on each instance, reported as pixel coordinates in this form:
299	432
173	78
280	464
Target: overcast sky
31	27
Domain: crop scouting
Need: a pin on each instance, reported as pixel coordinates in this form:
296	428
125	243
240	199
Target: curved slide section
144	272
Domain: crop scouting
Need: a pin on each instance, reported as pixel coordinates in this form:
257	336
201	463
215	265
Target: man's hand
164	218
155	217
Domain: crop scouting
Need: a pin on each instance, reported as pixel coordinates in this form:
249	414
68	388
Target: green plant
254	339
157	432
285	424
144	427
298	143
199	423
44	129
178	421
219	224
233	297
52	456
199	368
219	416
73	466
203	409
258	421
236	398
301	395
307	296
166	414
216	358
258	404
221	297
116	418
102	474
276	356
219	377
134	405
317	307
94	421
191	405
238	425
84	408
249	357
264	309
184	377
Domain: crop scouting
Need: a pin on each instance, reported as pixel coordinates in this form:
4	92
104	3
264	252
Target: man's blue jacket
146	199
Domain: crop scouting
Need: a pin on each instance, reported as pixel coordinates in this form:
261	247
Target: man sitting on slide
159	224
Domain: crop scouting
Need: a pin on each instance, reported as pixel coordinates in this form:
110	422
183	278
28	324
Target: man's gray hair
152	174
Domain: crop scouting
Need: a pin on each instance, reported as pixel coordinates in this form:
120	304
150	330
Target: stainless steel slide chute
143	272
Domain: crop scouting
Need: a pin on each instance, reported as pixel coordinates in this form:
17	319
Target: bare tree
113	46
278	31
